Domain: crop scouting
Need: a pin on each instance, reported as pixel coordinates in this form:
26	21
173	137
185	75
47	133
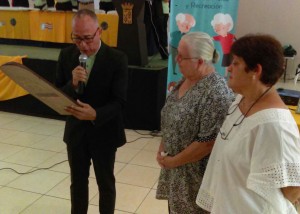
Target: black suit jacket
105	92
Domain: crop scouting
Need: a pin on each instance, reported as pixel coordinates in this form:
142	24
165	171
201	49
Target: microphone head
83	58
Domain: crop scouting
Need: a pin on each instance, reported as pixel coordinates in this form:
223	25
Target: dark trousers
103	161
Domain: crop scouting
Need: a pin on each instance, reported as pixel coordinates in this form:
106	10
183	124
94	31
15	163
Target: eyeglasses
86	39
180	58
239	121
242	116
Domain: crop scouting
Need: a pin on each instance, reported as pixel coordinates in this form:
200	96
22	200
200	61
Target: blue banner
215	17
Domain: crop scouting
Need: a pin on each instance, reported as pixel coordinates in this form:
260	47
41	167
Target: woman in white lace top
255	163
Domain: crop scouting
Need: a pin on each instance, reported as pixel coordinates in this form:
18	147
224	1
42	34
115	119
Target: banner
214	17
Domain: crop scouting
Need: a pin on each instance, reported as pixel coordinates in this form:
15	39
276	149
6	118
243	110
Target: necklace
223	135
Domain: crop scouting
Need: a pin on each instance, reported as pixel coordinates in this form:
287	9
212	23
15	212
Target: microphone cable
150	135
155	31
37	169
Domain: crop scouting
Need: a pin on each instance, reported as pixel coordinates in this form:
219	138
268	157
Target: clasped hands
165	161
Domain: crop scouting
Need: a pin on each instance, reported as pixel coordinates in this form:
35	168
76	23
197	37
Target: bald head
85	14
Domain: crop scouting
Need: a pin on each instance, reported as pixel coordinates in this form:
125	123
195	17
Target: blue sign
214	17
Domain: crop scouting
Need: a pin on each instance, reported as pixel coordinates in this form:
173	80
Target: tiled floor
28	143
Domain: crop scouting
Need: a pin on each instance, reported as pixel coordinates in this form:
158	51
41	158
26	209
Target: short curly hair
261	49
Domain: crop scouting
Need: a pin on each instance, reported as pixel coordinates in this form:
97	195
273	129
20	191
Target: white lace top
245	172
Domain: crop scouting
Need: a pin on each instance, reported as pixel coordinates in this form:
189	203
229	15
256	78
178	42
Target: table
8	88
49	26
296	116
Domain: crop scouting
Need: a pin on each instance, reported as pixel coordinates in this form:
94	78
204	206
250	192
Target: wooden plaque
38	87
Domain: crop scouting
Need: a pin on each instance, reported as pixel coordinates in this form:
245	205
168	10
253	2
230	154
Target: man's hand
83	111
79	74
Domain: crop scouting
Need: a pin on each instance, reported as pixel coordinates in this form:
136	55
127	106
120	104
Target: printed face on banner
214	17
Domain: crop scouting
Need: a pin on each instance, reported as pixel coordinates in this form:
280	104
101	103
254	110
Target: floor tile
130	197
145	158
24	139
7	175
93	209
118	167
55	122
45	129
30	157
49	205
6	119
20	125
137	133
13	201
7	150
136	142
5	133
153	206
155	185
122	212
153	145
58	163
62	190
138	175
59	133
124	155
11	115
39	182
50	143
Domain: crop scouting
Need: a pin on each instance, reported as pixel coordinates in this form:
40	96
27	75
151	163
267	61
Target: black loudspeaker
289	97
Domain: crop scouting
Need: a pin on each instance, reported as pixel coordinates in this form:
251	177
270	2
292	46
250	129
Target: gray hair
201	45
85	12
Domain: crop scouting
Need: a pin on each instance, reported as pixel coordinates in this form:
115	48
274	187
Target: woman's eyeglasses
239	121
180	58
242	116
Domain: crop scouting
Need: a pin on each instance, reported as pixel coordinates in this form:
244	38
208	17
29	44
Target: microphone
82	63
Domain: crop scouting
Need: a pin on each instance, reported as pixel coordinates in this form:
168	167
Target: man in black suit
95	128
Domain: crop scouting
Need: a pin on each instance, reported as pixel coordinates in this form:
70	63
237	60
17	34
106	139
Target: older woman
255	163
191	119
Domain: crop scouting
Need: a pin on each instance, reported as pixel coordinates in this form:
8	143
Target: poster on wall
214	17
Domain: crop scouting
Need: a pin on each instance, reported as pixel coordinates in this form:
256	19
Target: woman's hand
167	162
292	194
